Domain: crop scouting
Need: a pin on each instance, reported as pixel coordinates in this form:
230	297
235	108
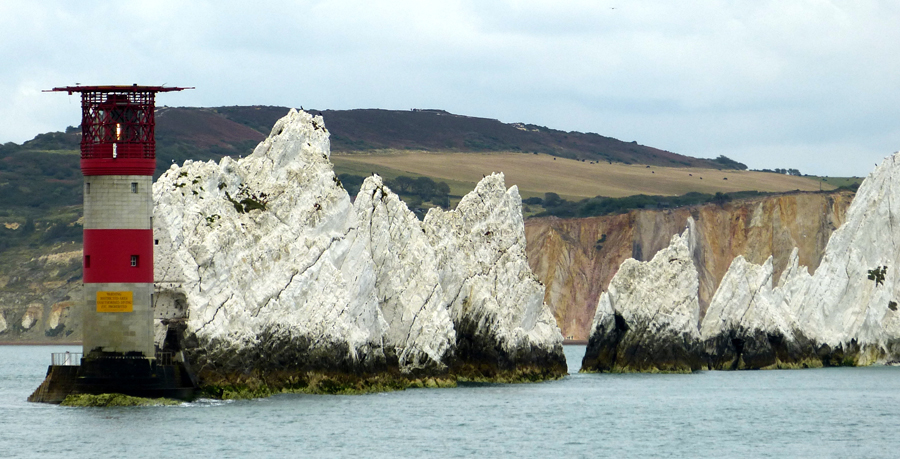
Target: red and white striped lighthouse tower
118	158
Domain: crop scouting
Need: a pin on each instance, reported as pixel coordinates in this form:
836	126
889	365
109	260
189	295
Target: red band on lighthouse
118	255
121	166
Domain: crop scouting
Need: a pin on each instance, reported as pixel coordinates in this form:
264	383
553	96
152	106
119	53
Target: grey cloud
766	83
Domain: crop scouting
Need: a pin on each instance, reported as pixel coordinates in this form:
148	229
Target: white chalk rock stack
648	318
406	280
839	307
747	324
268	256
268	272
494	300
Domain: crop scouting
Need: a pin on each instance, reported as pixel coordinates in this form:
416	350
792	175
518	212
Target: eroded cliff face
40	299
577	258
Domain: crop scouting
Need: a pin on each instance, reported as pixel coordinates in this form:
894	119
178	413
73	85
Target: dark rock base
280	363
618	349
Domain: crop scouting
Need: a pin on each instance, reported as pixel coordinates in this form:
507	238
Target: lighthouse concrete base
166	376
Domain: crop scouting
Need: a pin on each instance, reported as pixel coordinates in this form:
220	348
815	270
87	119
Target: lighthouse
118	158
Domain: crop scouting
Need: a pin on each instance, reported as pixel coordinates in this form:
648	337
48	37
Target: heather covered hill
438	130
202	128
40	180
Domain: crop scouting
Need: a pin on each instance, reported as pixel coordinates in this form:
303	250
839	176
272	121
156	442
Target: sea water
835	412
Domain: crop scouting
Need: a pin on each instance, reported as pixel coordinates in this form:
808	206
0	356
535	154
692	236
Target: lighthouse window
134	261
87	188
87	261
134	187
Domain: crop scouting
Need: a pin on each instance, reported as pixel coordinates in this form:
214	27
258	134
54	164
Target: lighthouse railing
65	359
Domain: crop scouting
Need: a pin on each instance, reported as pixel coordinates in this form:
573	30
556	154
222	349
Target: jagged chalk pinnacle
281	274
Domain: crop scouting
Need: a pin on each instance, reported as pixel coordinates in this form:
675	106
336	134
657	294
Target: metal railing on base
73	359
65	359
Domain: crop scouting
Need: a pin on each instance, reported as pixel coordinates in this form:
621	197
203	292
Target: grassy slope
457	187
839	181
537	174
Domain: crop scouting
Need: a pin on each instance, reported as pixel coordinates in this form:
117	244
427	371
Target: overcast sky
806	84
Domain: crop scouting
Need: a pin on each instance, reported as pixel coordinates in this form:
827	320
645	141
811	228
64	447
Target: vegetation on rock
109	400
877	275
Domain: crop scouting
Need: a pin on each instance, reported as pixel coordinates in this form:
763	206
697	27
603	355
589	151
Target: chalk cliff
268	276
406	279
842	314
576	258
